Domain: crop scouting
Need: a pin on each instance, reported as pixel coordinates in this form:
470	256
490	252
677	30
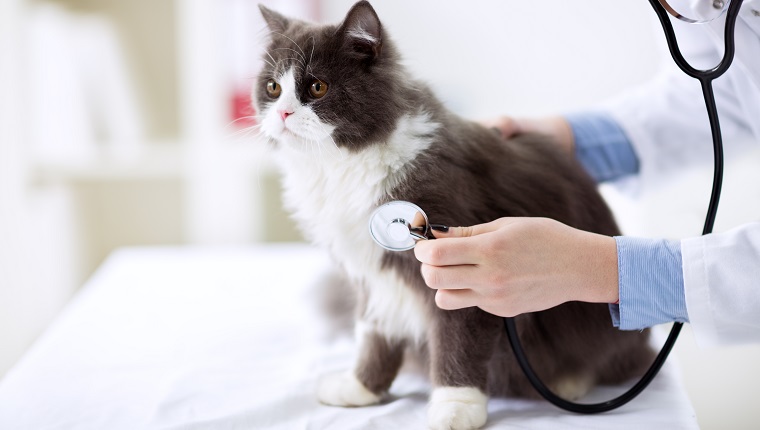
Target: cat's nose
284	113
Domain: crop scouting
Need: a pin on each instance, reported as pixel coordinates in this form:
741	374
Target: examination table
231	338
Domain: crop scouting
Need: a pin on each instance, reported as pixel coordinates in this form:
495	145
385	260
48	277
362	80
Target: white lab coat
668	127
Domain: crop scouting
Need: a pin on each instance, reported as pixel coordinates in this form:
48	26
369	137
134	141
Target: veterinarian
516	265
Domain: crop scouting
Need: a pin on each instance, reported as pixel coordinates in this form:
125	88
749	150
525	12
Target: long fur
379	135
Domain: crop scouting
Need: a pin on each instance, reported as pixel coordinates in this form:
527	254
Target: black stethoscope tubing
705	78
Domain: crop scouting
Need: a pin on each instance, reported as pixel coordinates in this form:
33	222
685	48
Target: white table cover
209	338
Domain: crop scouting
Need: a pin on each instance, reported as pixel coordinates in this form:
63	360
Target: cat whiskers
319	136
318	143
308	65
245	131
329	136
312	138
273	60
313	44
275	74
302	60
269	62
302	54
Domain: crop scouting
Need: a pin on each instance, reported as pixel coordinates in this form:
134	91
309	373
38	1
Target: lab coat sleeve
651	287
666	119
722	285
601	147
666	122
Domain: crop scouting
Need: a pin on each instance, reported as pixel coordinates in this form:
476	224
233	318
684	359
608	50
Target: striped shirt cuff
602	147
651	288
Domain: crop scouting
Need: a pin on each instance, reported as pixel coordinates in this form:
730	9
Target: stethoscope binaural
398	225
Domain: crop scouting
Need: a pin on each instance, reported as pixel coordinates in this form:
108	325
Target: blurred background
127	123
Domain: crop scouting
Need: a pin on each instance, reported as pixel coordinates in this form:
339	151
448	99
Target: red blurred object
243	113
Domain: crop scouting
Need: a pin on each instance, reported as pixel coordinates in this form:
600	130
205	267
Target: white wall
495	57
35	230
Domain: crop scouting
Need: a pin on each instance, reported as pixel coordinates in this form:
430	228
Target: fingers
506	126
460	245
456	299
449	277
451	282
458	264
447	252
450	300
475	230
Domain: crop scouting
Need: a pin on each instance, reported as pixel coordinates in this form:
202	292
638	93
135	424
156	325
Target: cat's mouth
306	139
298	131
288	133
285	133
293	139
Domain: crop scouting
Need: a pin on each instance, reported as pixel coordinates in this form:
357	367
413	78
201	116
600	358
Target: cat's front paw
457	408
343	389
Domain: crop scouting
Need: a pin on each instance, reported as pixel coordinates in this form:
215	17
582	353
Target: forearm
649	285
601	146
642	277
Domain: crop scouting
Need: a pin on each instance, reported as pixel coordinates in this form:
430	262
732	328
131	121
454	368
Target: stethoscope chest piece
398	225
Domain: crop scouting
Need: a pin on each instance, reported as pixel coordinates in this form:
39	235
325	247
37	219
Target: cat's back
471	175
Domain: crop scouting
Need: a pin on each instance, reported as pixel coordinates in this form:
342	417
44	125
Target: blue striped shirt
650	275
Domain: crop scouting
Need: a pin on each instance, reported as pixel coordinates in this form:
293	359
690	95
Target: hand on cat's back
556	128
516	265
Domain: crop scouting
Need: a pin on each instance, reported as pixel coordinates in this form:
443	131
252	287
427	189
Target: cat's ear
362	29
277	23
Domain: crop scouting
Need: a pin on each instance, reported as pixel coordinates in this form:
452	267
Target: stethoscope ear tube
705	78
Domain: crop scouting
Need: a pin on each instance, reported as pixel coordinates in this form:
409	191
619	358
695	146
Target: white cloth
669	129
730	315
194	338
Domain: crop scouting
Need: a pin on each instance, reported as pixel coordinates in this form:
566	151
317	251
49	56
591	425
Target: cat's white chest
331	200
331	193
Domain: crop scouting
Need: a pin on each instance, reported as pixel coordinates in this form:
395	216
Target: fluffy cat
352	130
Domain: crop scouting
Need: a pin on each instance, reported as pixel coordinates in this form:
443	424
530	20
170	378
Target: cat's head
339	83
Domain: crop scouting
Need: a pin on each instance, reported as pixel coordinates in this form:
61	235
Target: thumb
474	230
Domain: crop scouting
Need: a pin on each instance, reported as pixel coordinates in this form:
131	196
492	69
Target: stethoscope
398	225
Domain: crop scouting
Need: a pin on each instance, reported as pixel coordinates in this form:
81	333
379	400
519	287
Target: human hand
515	265
556	127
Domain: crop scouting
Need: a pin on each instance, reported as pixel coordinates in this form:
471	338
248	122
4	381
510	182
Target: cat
352	130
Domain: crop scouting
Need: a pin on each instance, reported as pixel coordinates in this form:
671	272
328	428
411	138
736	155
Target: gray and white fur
378	135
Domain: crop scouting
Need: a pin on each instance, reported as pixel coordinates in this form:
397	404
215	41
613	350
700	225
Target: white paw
573	388
457	408
343	389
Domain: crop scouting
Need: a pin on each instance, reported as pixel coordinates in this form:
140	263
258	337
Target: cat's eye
318	89
273	88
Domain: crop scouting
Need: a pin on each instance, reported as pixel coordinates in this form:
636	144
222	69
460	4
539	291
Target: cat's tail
335	300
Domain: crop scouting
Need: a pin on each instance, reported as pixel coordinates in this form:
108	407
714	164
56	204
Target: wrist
563	133
600	281
555	127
